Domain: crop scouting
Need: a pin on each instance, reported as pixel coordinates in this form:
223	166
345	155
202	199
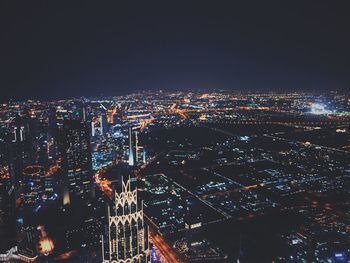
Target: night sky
59	49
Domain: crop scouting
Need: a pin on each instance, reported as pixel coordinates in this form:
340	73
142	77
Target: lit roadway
166	251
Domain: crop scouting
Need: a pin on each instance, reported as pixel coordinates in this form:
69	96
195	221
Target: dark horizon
168	91
55	51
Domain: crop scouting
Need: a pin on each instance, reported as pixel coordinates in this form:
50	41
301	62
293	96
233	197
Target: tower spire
127	233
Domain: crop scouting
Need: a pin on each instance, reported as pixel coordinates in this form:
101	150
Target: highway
168	255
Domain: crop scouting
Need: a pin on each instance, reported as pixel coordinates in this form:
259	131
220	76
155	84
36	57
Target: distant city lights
319	109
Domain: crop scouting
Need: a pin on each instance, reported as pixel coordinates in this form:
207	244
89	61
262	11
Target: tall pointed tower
126	239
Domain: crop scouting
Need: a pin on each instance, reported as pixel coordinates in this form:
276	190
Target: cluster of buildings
201	161
47	164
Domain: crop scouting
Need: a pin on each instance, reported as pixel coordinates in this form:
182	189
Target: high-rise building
7	216
132	147
76	161
39	135
20	148
7	194
99	125
104	123
126	238
136	152
52	119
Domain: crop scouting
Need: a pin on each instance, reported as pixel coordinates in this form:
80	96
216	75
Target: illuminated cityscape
222	176
175	132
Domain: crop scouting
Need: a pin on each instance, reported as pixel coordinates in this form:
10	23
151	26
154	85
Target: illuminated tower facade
132	153
135	151
126	237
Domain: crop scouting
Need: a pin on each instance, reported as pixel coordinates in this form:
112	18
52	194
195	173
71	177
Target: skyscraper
7	193
126	239
76	161
131	151
7	216
99	125
135	151
20	150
